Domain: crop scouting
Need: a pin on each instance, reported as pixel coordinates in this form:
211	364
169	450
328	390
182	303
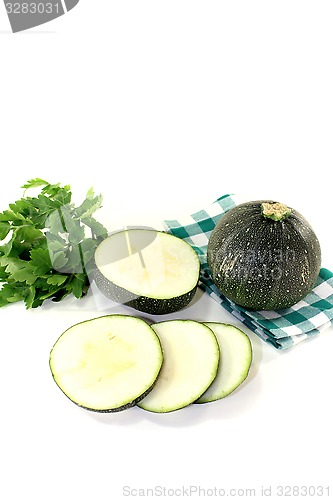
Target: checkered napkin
283	328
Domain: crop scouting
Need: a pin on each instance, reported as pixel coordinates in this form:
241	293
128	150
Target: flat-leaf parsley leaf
47	245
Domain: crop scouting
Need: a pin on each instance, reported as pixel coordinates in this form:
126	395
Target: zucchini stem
275	211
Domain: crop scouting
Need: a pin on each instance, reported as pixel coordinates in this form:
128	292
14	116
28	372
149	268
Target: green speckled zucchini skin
260	263
120	408
140	303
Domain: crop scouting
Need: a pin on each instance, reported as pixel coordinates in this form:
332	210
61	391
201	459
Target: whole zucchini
264	255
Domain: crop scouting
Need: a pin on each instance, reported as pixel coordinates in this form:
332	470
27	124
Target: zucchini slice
149	270
191	359
235	361
107	364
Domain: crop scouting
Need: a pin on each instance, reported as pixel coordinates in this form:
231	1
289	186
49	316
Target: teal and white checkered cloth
283	328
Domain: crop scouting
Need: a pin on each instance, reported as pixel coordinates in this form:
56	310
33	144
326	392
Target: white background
163	107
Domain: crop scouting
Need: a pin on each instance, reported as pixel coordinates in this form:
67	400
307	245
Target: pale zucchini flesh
108	363
191	358
235	361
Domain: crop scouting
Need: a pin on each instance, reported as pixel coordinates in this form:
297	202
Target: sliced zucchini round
191	358
235	361
149	270
107	364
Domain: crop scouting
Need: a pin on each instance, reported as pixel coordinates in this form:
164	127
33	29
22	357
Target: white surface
163	107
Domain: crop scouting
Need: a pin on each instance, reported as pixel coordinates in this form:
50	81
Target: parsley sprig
48	245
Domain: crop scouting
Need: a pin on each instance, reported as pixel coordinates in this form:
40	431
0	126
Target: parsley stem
82	259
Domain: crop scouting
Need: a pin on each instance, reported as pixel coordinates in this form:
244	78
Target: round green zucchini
148	270
263	255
